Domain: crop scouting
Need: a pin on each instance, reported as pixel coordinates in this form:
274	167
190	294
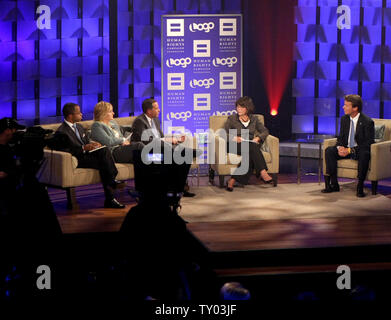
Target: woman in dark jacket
257	133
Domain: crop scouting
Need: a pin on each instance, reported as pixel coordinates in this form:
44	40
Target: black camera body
28	147
159	181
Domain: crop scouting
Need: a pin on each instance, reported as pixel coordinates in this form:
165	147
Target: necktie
77	133
351	142
154	129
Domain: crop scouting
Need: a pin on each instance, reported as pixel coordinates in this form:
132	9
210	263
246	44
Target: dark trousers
256	161
362	156
124	154
103	161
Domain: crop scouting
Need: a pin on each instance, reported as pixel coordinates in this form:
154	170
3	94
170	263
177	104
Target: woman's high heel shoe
228	188
268	181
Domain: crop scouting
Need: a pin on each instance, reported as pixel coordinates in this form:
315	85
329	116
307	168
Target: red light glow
273	37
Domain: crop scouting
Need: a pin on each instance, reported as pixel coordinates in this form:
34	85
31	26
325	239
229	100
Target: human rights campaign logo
227	27
175	27
176	81
201	48
227	80
201	101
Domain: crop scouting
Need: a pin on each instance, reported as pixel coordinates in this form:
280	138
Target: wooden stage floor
234	235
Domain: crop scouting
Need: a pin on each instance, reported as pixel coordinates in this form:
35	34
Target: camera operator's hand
3	175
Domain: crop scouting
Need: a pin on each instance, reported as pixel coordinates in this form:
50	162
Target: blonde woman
107	132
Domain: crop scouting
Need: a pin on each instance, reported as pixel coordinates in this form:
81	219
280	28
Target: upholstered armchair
224	162
379	165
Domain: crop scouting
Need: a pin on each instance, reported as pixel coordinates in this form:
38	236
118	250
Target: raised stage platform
256	217
278	238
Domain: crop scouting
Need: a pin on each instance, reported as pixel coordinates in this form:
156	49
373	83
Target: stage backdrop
201	66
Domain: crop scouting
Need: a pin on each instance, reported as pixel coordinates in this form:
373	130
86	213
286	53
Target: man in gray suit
149	121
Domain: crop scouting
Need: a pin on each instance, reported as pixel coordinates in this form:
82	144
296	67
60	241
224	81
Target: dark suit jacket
75	146
256	128
364	134
140	124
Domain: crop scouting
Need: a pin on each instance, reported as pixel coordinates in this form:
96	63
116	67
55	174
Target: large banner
201	69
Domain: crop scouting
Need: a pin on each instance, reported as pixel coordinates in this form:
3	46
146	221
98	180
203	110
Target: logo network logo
201	27
179	116
201	48
227	80
225	61
183	62
175	81
207	83
201	101
224	113
227	27
175	28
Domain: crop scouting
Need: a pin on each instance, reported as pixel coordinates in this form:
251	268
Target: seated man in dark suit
354	142
149	121
80	147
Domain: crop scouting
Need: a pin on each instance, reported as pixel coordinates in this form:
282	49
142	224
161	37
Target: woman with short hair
246	120
106	131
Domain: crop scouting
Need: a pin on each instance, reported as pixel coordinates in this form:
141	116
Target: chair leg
275	179
198	176
211	176
221	181
71	197
374	187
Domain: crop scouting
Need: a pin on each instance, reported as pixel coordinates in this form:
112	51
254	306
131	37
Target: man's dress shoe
360	191
114	204
331	188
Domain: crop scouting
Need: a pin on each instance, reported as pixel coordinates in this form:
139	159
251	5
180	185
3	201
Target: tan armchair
379	165
224	162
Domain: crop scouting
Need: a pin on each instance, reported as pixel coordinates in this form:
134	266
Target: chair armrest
273	144
220	150
58	168
380	160
327	143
